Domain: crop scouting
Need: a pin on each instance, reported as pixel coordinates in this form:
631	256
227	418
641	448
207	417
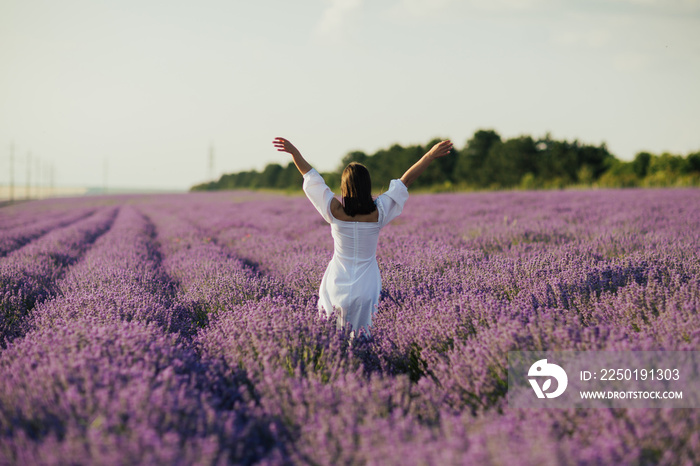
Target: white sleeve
318	193
391	202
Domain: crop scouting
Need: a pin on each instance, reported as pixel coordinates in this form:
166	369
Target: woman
351	283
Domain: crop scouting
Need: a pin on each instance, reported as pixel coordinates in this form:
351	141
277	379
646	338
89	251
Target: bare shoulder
338	212
337	209
335	205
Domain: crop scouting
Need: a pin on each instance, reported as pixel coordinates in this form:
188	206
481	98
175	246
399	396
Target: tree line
489	162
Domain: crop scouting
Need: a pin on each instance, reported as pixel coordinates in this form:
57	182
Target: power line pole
29	175
211	161
52	174
104	175
46	180
12	171
37	173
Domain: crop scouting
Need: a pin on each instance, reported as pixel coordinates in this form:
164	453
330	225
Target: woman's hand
283	145
440	149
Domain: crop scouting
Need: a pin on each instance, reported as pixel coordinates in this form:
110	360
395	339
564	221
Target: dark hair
356	190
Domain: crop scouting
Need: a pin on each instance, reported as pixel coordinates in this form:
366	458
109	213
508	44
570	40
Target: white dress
351	283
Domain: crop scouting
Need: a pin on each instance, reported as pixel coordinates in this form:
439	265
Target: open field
182	329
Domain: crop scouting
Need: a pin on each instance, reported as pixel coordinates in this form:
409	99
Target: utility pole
37	173
12	171
211	161
47	193
104	176
52	173
29	174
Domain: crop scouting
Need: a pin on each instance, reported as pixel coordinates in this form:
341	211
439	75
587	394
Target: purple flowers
183	329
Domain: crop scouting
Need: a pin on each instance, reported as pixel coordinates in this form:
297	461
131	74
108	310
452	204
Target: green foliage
649	170
640	165
489	162
273	176
693	162
471	160
507	162
619	174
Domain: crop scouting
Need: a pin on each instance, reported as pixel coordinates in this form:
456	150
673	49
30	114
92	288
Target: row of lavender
188	332
101	367
467	279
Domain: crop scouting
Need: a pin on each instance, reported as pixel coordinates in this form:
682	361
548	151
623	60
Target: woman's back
351	284
355	240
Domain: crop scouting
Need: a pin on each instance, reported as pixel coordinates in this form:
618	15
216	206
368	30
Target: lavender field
183	329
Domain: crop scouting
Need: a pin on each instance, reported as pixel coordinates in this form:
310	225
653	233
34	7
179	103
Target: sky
138	93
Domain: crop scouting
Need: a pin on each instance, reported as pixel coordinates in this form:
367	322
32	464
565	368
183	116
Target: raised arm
440	149
283	145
